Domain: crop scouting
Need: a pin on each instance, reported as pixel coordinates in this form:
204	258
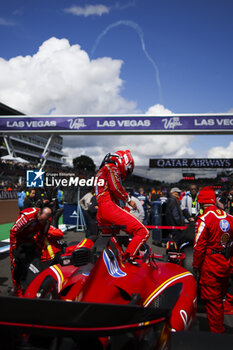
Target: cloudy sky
125	56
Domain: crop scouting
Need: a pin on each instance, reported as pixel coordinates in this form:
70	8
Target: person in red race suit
212	256
114	168
26	241
228	304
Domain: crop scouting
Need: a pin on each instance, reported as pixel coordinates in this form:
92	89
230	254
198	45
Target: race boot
130	259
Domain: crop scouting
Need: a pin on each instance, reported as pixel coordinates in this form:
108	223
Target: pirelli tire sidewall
188	261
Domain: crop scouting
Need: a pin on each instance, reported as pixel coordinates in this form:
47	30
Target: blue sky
189	41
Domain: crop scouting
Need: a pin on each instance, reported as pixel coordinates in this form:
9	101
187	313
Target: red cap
206	196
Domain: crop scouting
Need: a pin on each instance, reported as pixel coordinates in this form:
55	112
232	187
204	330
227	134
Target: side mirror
65	261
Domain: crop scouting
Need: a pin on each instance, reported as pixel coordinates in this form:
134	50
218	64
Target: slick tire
188	261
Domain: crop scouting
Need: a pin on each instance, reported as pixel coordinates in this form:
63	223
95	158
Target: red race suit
109	212
26	229
51	246
212	244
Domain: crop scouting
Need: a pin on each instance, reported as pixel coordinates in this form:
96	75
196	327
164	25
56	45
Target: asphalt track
74	237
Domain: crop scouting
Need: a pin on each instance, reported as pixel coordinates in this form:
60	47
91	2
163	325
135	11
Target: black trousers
27	264
58	213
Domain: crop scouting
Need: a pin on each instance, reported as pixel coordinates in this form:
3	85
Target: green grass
5	230
60	222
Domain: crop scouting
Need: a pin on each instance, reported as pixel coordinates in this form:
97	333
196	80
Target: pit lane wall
9	211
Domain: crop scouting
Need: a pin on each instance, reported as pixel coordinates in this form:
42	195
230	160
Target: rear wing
63	318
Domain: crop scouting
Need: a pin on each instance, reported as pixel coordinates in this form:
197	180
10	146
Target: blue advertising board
115	124
70	214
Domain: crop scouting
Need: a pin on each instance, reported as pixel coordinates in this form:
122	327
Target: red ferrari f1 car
94	299
110	296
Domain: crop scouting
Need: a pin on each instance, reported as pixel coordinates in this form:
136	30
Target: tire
188	261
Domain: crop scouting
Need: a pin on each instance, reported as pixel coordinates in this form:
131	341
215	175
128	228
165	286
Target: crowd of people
9	168
178	207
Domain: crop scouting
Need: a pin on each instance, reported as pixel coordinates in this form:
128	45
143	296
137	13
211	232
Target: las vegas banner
214	123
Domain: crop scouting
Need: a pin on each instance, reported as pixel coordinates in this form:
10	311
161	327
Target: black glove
62	243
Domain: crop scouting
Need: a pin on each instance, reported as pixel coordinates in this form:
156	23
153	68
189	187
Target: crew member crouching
26	240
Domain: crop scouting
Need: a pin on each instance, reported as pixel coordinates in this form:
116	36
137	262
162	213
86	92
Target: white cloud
158	110
97	10
18	12
88	10
124	6
221	152
62	77
6	23
143	147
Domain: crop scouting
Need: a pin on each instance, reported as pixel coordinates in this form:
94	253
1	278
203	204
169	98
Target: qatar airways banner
119	124
191	163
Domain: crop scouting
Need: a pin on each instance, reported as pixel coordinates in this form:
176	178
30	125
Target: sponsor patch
224	225
225	239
